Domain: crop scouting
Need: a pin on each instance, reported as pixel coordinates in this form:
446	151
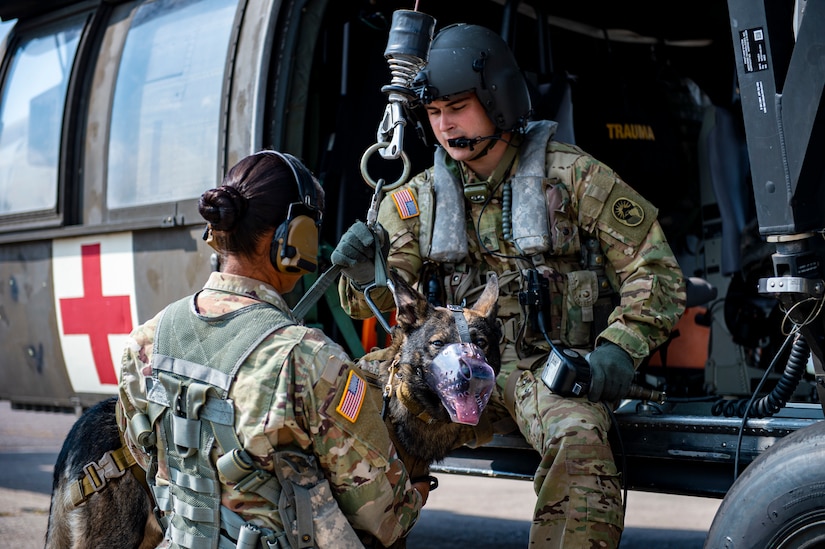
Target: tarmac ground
464	511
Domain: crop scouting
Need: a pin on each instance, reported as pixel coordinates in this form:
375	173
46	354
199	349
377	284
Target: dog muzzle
463	380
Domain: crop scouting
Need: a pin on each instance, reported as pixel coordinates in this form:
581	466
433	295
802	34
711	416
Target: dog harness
97	474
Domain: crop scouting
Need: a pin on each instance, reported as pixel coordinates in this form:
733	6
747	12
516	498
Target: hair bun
239	201
223	207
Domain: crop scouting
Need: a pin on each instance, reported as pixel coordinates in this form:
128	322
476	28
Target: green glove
611	373
355	253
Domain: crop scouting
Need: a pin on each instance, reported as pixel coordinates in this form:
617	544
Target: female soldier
247	423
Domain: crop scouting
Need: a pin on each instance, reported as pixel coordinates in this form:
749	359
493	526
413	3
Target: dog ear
412	308
487	304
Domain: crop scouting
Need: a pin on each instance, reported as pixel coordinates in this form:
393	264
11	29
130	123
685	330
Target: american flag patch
406	204
353	397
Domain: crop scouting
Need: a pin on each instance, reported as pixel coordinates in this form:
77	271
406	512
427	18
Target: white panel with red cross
94	294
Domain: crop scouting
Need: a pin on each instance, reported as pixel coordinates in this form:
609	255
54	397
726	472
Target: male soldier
581	259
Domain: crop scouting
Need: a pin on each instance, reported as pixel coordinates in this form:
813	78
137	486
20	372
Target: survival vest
527	222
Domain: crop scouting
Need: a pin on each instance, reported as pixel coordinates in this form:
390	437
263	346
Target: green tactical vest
196	359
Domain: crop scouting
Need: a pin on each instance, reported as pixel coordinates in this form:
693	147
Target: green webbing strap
380	264
311	297
506	162
194	513
198	484
344	322
303	512
460	323
186	539
315	292
113	464
323	286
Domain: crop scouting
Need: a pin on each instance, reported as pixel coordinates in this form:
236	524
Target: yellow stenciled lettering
630	131
612	129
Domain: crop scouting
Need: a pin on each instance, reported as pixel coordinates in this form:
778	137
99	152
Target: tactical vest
195	361
525	215
439	239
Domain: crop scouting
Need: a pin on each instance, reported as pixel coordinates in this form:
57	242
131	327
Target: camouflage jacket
585	202
291	392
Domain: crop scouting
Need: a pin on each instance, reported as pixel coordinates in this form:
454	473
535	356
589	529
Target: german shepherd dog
431	403
428	378
120	514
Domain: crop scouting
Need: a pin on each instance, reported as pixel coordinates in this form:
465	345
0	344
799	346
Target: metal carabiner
374	308
375	202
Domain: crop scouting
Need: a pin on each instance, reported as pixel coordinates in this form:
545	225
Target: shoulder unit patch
628	212
405	203
353	398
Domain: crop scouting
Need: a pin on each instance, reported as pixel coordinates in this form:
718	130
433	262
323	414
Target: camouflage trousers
579	502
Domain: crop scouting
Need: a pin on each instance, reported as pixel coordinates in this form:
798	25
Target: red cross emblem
96	315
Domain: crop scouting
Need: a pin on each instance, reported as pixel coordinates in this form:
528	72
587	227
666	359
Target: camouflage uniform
579	499
285	395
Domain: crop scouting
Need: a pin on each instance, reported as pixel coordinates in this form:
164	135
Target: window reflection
31	113
166	107
5	28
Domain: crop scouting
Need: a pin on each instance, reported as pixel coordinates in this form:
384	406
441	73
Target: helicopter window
5	28
167	102
31	115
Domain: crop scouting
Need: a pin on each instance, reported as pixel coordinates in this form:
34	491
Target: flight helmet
466	57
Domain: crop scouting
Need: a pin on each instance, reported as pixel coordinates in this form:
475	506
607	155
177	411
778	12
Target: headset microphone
464	142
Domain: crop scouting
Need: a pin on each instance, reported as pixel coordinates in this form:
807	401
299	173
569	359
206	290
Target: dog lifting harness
195	361
97	474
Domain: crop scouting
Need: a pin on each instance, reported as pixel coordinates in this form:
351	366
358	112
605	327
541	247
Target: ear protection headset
294	247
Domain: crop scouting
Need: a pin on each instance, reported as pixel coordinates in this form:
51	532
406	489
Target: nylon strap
303	512
506	162
460	323
113	464
315	292
380	263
